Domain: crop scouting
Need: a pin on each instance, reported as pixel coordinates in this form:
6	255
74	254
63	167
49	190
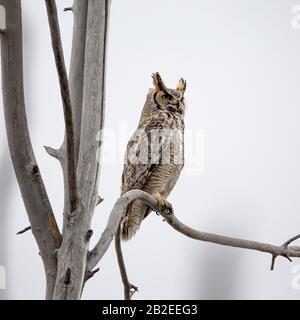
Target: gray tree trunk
43	224
64	258
72	255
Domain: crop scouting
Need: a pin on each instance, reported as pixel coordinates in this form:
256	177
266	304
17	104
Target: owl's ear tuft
181	86
158	83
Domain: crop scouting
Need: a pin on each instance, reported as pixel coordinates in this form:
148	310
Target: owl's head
165	99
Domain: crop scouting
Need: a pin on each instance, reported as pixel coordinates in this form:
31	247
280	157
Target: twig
114	219
90	274
287	243
52	152
68	9
284	247
99	200
24	230
129	288
66	99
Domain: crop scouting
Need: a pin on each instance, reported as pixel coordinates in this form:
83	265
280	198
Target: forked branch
66	99
110	231
282	250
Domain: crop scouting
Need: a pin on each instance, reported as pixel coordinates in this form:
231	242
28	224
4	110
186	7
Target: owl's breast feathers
156	142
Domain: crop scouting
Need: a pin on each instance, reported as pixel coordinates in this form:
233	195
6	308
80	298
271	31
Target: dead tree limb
275	251
79	9
119	208
66	99
129	288
37	204
73	251
93	106
23	230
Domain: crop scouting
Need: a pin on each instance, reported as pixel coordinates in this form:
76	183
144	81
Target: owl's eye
167	96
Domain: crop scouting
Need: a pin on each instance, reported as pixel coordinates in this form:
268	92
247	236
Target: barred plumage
154	156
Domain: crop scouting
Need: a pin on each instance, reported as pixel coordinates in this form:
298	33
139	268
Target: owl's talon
170	211
165	205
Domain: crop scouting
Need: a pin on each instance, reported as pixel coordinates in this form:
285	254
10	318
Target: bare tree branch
38	207
129	288
90	274
111	228
23	230
281	250
73	251
92	121
52	152
119	208
68	9
79	9
66	99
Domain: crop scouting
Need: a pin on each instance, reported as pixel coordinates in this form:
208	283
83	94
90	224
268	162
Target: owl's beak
171	107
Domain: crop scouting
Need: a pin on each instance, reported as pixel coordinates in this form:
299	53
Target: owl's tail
135	213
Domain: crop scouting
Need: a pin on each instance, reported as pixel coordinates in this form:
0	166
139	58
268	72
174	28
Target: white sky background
241	60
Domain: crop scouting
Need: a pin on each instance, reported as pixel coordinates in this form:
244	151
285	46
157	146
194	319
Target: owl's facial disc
165	100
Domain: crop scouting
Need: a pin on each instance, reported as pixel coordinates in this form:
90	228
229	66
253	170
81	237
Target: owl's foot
165	205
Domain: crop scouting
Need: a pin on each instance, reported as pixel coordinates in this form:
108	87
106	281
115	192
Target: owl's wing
140	159
135	176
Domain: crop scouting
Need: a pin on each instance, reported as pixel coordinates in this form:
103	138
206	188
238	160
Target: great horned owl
154	156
